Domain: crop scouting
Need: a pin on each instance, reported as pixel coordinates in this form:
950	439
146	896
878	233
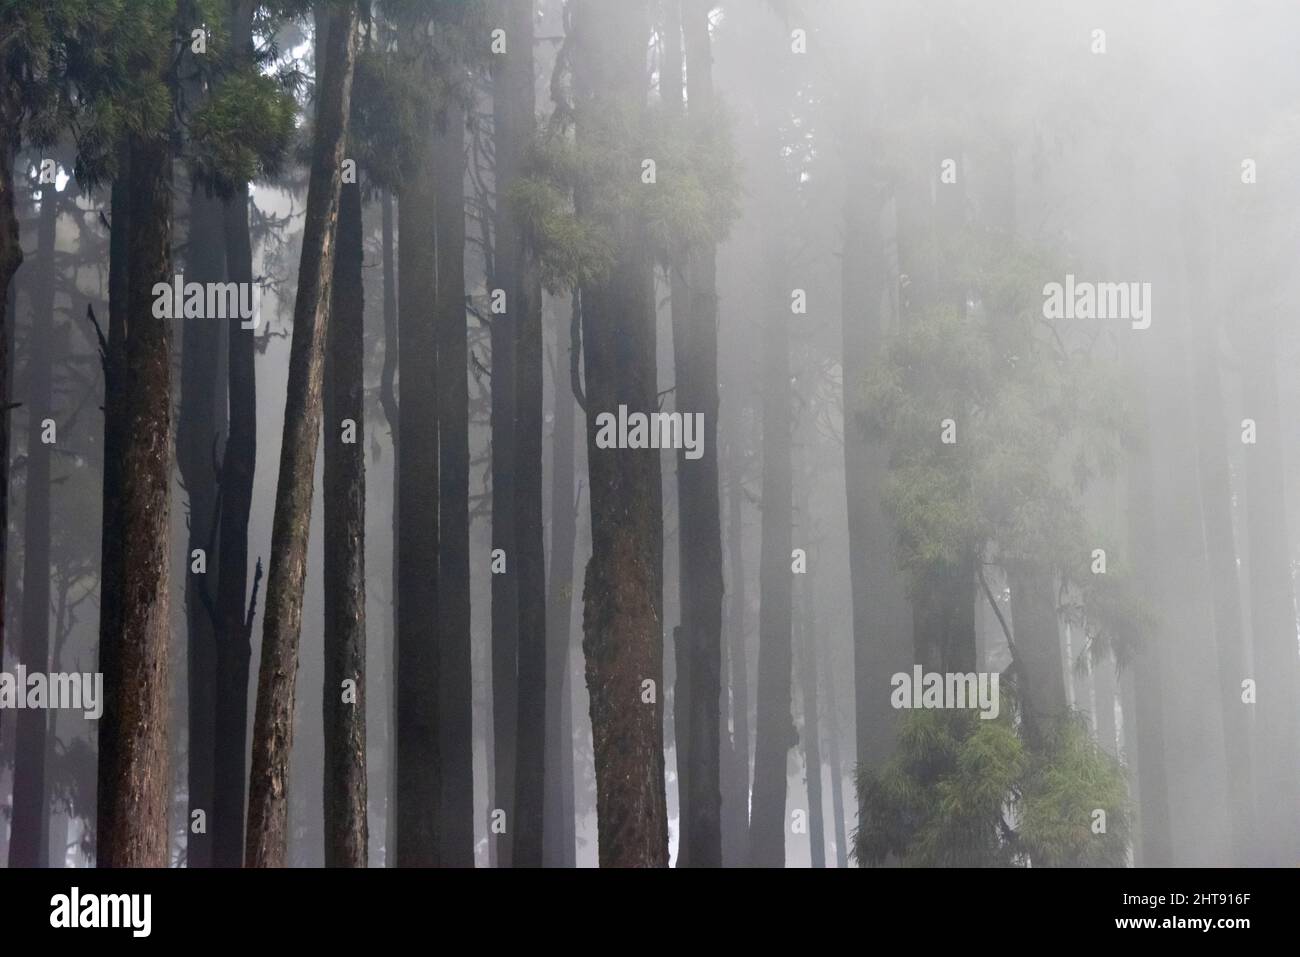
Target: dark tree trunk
695	342
882	617
1272	602
11	257
776	733
266	842
31	808
513	103
388	399
512	121
419	772
812	754
736	804
456	715
1221	545
1036	629
622	594
133	775
836	768
559	829
200	419
344	705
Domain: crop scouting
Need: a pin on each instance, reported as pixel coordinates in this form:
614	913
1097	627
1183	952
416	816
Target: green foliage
965	791
241	132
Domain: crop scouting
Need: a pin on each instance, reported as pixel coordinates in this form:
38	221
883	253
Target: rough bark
736	803
267	837
456	717
1036	628
31	808
775	731
388	400
344	479
11	257
133	775
834	761
419	772
622	594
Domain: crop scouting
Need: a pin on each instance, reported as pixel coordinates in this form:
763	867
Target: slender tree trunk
31	808
133	755
736	804
695	339
512	124
559	828
388	399
199	421
622	594
456	717
419	773
267	837
836	769
812	755
11	257
343	695
1272	603
523	320
776	733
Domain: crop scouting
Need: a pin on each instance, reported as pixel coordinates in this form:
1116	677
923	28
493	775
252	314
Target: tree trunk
812	756
837	771
776	733
695	341
1272	603
388	399
343	695
31	808
1036	628
622	594
736	804
11	257
133	756
267	838
512	125
558	803
419	772
201	418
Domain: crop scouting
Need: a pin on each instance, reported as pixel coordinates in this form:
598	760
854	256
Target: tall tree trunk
419	772
812	755
622	594
736	803
1221	545
512	125
457	709
133	654
776	733
343	695
695	349
1036	627
238	467
836	769
523	318
31	808
200	419
267	838
1272	602
11	257
560	848
388	399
